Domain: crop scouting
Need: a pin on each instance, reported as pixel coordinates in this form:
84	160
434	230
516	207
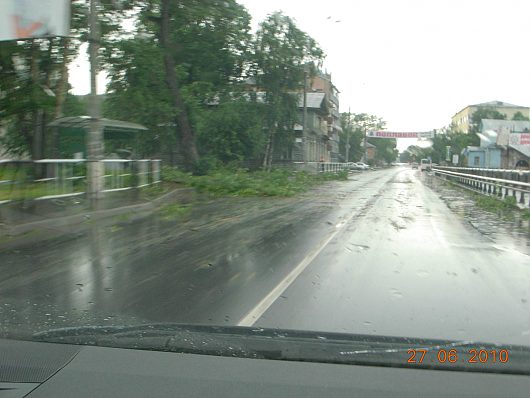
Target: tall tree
483	113
189	148
356	126
519	116
281	52
184	58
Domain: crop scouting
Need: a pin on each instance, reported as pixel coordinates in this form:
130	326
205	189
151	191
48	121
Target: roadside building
322	83
462	119
312	145
371	151
320	141
503	144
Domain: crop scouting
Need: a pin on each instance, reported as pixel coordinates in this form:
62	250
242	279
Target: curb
182	195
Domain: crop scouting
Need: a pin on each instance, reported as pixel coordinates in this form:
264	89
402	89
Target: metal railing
60	178
487	185
320	167
505	174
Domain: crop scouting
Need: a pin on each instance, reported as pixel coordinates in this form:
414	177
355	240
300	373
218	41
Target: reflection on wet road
381	253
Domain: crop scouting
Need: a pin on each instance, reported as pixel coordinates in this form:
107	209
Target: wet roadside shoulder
499	223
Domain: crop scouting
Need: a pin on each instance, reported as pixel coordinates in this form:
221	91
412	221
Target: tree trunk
61	92
37	113
269	152
267	149
187	138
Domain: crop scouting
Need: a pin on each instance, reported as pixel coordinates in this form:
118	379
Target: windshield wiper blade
342	348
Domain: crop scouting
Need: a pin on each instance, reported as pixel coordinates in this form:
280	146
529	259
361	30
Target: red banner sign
395	134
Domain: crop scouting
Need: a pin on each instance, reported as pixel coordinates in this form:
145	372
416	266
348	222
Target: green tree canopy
519	116
281	52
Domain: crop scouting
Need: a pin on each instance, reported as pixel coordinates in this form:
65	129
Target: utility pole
304	116
365	156
348	136
94	138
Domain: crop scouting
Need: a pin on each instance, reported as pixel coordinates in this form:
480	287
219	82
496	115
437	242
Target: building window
476	161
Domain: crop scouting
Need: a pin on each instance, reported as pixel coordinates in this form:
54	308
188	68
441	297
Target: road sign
25	19
400	134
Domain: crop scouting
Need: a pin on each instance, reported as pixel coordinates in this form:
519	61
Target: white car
362	166
356	166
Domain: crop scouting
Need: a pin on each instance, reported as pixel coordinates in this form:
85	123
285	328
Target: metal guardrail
67	177
493	186
507	174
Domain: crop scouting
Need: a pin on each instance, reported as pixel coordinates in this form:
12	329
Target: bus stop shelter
118	135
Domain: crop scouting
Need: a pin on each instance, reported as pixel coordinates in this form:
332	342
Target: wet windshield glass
255	164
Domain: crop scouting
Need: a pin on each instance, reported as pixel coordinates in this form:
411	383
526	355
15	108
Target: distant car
425	165
362	166
414	165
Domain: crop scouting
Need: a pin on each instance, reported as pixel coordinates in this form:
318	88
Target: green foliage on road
506	208
240	182
493	204
175	211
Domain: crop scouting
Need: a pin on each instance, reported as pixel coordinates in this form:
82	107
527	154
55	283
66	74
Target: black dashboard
38	369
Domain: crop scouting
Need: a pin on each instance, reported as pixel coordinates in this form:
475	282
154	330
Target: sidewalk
66	215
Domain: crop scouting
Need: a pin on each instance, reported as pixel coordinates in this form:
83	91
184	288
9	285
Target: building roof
524	149
83	122
492	104
498	104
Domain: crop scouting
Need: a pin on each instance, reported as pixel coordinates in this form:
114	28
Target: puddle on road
497	227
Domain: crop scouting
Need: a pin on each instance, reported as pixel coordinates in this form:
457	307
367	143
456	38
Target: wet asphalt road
380	254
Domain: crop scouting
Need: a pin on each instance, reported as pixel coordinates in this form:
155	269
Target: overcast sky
413	62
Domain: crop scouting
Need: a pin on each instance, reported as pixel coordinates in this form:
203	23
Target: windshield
254	164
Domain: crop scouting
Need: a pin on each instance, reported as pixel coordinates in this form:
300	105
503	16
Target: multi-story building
320	141
311	145
462	119
321	83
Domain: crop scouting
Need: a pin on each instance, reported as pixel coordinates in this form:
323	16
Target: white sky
412	62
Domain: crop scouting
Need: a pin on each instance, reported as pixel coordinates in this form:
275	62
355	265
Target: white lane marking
264	305
270	298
